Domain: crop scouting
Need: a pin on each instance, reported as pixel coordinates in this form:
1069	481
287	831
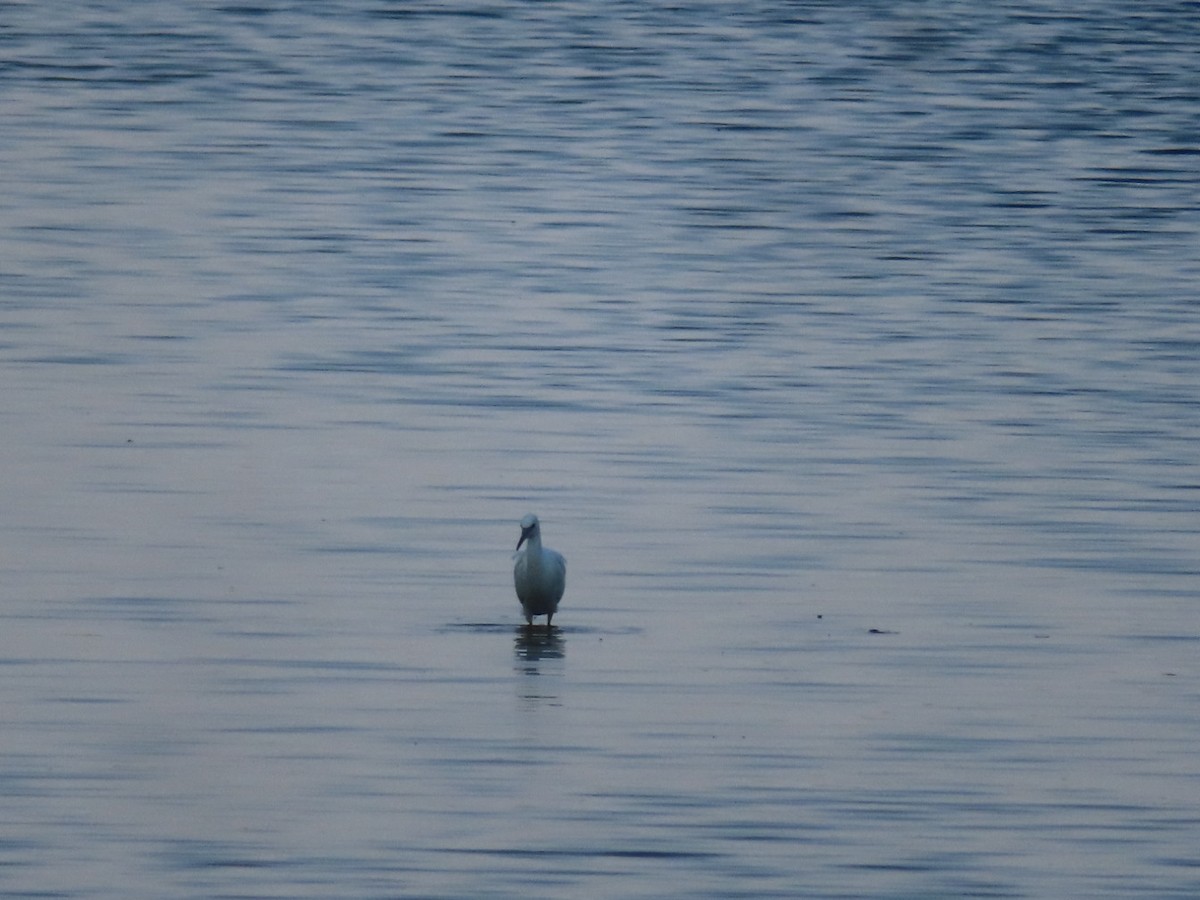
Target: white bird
540	574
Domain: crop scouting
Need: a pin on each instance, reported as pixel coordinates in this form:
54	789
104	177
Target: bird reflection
532	645
539	664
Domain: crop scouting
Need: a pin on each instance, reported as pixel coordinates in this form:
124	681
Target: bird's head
529	527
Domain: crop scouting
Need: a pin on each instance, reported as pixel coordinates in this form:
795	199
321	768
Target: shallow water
849	355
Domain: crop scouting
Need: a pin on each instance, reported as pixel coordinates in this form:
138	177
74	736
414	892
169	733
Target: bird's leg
549	616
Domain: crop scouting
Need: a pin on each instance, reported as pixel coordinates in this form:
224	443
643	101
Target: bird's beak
525	532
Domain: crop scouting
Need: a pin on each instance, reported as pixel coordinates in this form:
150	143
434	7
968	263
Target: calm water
849	352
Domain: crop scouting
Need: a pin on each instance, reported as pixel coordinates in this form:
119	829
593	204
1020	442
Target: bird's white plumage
540	574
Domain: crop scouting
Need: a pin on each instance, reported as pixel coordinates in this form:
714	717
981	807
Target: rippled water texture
849	353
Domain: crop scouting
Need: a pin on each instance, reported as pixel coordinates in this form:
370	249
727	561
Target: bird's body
540	574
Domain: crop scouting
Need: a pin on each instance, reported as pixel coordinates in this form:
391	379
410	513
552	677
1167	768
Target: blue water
849	353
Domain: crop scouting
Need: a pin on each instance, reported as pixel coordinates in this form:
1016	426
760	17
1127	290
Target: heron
540	574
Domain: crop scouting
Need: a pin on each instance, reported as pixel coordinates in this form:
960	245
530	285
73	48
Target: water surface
849	354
